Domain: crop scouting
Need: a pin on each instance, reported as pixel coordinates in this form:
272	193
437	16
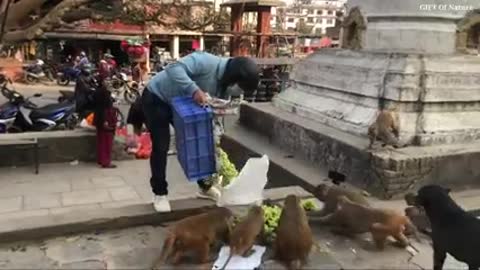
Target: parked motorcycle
121	85
35	73
8	110
67	75
28	117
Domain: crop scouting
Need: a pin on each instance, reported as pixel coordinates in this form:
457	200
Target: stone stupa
420	58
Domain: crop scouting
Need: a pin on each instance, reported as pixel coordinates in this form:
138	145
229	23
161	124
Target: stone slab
11	204
385	172
85	197
42	201
123	193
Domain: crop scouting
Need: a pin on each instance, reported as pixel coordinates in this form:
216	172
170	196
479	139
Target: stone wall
57	147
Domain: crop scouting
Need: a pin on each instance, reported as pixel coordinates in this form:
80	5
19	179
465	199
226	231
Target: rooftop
271	3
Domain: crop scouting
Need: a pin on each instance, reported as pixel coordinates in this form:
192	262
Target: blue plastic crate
194	138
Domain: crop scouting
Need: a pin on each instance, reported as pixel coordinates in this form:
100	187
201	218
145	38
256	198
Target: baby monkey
386	128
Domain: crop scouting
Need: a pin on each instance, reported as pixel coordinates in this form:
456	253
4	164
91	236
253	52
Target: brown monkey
294	239
329	196
386	128
352	218
196	233
243	236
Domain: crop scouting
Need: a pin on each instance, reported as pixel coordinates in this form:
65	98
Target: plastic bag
145	148
247	187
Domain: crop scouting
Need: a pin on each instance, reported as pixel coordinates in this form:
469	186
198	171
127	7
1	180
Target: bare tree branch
51	20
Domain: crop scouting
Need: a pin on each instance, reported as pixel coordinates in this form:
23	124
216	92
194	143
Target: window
329	21
319	12
291	20
310	20
291	28
311	11
319	20
330	12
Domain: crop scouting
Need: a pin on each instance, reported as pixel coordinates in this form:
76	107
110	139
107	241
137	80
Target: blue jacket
198	70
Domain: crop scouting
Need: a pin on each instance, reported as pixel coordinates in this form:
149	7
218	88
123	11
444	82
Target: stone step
285	168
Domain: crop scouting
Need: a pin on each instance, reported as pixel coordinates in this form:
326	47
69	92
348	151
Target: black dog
454	231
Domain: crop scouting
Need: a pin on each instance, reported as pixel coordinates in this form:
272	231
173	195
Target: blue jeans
158	117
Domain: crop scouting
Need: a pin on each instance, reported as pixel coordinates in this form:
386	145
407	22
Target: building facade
311	19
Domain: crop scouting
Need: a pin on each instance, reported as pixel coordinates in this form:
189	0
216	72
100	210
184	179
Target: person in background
85	86
105	120
83	61
104	70
111	61
139	73
194	76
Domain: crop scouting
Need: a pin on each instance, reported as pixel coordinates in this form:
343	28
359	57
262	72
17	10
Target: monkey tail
166	249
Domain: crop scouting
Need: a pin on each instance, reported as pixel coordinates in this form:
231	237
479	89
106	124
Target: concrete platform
385	172
56	147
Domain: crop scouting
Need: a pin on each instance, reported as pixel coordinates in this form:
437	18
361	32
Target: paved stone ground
61	188
139	247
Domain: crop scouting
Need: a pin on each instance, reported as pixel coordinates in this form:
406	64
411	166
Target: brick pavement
62	188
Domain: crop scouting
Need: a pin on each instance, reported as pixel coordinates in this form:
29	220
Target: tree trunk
48	22
20	11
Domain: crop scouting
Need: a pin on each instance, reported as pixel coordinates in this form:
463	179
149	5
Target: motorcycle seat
50	109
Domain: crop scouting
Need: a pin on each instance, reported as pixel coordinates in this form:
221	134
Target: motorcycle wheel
63	81
116	84
71	123
49	75
30	79
14	129
131	95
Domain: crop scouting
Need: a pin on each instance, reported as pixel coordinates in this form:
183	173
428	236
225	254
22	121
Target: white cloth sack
247	187
238	262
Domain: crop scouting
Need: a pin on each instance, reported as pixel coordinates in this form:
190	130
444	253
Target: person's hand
200	98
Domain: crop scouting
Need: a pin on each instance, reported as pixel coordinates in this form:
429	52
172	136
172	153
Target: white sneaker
212	194
161	204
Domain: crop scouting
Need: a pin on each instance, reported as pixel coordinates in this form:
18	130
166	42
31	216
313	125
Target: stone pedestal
437	96
396	55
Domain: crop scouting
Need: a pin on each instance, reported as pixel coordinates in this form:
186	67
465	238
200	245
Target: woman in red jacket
105	121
